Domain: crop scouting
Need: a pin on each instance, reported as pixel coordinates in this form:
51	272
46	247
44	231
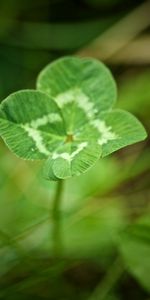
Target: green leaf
134	245
31	124
82	88
121	129
69	120
72	159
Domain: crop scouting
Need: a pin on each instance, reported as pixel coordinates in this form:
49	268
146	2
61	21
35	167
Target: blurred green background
105	214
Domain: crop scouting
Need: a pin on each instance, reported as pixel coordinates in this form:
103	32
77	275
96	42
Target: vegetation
74	236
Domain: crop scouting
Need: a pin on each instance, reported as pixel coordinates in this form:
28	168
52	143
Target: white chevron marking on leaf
68	156
64	155
50	118
65	98
85	104
106	133
37	138
81	99
79	149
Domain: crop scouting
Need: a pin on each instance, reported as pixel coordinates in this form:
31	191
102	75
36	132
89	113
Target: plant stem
109	282
57	239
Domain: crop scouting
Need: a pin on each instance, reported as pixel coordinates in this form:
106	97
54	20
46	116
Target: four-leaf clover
69	121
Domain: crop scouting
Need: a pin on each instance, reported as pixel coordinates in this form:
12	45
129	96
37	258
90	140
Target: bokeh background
105	216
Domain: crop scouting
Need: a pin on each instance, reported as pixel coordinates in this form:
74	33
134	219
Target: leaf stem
109	281
57	239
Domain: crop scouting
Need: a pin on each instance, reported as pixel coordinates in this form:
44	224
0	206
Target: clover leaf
69	120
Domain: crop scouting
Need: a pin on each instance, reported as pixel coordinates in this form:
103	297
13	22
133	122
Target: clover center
69	138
